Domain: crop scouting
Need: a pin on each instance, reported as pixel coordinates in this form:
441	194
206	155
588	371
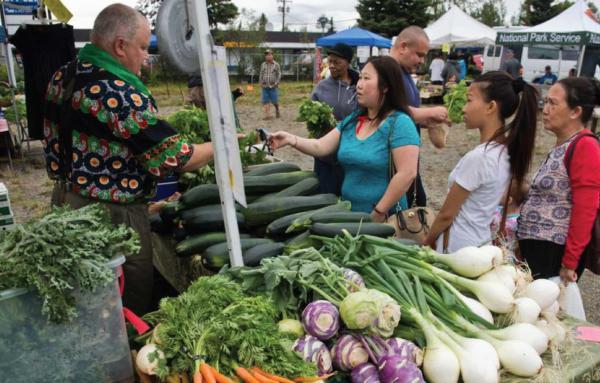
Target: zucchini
307	186
200	195
255	254
180	234
198	243
169	211
157	225
274	182
217	256
354	228
340	217
304	221
185	214
279	226
207	220
272	168
263	212
188	214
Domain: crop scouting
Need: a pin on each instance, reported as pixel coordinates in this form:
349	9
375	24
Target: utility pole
283	9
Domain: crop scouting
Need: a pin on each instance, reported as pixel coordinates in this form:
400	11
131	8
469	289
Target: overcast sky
302	12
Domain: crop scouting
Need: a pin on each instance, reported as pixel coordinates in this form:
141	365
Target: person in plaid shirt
270	75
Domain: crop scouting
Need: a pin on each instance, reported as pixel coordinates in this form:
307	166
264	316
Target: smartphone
263	134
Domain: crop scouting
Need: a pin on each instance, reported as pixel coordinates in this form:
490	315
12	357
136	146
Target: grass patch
176	93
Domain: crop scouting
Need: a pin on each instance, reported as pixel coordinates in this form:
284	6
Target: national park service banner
548	38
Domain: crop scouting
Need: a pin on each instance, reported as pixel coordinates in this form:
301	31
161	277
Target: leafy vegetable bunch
207	175
216	321
64	250
318	116
192	124
455	100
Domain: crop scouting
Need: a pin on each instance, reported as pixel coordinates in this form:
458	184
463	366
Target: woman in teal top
364	139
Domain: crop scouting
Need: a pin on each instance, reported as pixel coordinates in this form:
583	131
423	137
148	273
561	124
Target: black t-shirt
44	49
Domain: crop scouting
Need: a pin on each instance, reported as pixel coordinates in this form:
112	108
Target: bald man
409	50
104	142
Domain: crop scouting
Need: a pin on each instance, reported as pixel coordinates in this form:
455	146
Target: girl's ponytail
514	98
521	131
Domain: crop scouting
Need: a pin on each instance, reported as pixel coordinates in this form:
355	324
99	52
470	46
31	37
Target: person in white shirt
484	174
435	70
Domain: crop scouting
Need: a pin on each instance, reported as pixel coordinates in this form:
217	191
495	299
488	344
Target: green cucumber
274	182
304	221
264	212
354	228
169	211
340	217
217	256
255	254
272	168
200	195
307	186
198	243
207	220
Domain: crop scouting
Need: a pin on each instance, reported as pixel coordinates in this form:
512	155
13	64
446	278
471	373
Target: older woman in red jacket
556	219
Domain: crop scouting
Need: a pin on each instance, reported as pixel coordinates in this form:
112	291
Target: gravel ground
30	189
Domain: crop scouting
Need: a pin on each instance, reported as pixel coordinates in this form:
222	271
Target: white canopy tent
577	25
576	19
457	28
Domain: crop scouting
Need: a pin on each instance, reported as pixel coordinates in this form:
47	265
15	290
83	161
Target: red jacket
584	174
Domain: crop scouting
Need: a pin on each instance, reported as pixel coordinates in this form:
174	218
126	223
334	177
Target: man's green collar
101	58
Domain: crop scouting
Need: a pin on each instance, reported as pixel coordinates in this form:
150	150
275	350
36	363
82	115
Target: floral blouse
546	212
120	147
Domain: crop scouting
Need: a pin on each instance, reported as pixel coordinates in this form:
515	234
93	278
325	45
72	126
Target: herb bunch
318	116
217	321
455	100
64	250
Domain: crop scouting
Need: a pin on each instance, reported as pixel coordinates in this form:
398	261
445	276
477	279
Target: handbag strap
392	167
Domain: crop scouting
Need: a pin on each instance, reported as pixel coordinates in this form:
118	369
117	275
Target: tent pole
580	61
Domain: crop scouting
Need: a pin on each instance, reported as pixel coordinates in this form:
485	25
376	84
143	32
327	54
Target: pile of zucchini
282	212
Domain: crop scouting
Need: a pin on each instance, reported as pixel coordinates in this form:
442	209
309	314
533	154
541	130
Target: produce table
179	272
581	359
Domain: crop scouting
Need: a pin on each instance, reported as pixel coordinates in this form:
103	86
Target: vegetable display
62	251
318	117
215	322
349	301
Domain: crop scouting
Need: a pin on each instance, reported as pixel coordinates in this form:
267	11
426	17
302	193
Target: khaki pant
138	269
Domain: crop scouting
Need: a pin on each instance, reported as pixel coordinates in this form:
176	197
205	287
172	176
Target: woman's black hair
391	85
513	97
583	92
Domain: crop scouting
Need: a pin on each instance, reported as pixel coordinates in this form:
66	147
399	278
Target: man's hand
437	115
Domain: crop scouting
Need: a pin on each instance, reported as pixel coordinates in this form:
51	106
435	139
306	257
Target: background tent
355	37
455	27
577	25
